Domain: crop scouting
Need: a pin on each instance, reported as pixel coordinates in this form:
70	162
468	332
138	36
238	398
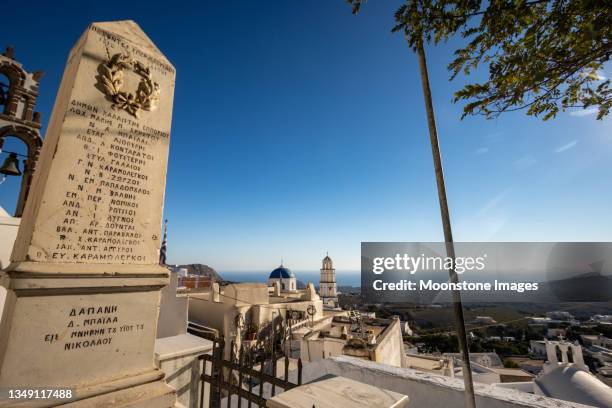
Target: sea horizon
343	278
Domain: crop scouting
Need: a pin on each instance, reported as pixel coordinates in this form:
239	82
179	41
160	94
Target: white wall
8	232
390	347
172	319
319	348
177	357
205	311
427	389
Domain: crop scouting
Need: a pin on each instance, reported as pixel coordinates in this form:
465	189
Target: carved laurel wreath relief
110	82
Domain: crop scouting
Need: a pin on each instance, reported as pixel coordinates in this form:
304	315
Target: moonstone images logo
416	272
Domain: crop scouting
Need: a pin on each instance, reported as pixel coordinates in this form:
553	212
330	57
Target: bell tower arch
18	95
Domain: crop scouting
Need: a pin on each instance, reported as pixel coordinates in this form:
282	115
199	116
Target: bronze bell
10	167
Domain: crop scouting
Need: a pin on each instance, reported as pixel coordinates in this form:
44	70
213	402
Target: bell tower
18	94
327	284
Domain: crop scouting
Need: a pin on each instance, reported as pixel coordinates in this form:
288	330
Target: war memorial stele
84	280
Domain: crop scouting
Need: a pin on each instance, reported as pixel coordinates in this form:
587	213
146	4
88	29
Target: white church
570	379
328	291
284	277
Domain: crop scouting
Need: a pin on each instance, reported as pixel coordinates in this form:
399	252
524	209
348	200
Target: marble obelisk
84	282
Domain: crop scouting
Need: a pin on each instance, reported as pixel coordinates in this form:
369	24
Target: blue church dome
281	272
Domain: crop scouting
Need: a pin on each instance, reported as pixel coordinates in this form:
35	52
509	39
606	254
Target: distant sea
343	278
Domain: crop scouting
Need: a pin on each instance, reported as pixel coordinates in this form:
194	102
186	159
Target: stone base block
157	394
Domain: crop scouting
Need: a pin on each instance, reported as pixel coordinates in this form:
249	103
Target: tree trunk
446	224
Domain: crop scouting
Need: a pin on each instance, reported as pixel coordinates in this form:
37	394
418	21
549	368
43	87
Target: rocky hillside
203	270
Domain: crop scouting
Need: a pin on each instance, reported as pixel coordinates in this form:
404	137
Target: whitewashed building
377	340
241	312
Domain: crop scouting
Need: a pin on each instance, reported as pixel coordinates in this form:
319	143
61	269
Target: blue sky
300	129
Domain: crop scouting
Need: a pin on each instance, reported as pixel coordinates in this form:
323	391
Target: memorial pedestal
92	334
